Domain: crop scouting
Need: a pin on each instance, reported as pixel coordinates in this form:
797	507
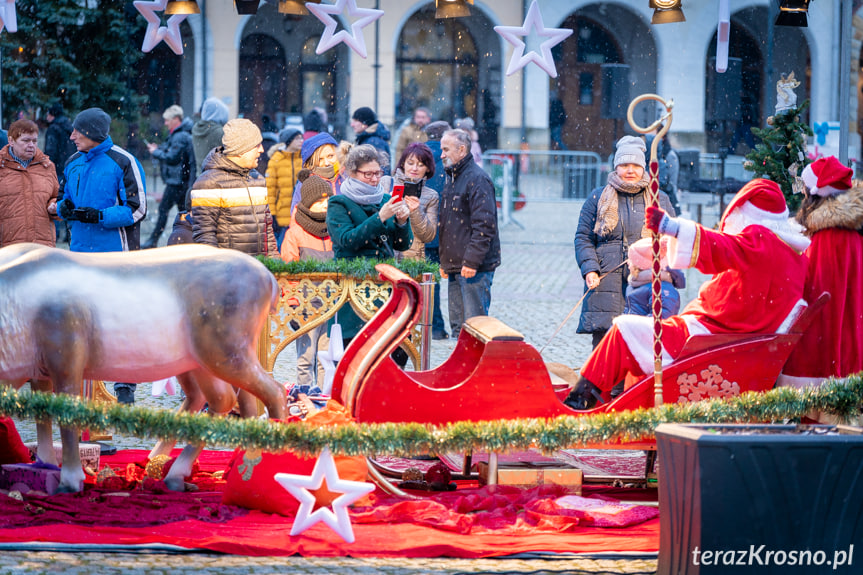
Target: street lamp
793	13
246	6
667	11
182	7
295	7
452	8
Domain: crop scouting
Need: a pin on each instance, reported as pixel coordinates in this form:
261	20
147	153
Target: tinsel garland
843	398
359	268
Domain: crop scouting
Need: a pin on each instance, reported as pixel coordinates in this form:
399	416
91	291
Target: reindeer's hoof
175	484
68	489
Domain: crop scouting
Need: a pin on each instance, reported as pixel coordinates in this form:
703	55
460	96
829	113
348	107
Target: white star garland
337	518
155	31
8	16
513	34
354	38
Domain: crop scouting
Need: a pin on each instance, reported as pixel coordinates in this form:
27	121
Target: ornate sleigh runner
494	374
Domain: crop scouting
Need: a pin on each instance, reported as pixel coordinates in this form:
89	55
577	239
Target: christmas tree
781	155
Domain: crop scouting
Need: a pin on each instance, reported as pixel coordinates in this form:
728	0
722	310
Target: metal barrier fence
546	176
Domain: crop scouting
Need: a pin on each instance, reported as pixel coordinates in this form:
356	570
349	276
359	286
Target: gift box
89	452
533	476
26	477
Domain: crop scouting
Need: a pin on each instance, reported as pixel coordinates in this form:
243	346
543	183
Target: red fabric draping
477	523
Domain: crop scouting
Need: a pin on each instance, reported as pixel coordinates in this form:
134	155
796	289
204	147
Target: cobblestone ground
534	289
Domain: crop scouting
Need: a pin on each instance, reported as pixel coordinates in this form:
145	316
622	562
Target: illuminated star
155	31
513	34
337	518
8	16
354	38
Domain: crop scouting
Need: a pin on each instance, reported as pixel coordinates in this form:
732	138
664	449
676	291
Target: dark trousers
433	256
174	196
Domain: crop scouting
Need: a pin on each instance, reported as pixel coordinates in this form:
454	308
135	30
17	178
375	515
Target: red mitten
653	218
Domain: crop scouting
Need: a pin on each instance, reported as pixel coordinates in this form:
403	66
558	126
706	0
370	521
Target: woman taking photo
415	167
363	221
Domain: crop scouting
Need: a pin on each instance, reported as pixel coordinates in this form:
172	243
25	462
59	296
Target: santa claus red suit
758	280
832	214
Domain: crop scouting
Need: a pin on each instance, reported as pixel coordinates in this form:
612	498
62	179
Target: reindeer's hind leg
193	402
44	430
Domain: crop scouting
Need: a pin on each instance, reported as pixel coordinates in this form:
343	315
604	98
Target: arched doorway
757	98
437	66
602	34
282	77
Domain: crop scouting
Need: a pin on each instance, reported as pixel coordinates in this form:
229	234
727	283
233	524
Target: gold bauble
156	467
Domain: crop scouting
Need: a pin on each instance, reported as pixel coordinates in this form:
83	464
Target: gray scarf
607	215
361	192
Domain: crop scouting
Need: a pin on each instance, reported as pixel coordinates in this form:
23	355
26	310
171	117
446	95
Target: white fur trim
681	248
637	332
809	178
792	316
788	230
826	191
798	382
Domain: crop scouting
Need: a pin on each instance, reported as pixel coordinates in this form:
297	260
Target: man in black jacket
59	148
177	162
469	240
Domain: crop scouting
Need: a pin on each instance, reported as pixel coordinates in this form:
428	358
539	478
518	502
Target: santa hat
760	202
641	253
827	177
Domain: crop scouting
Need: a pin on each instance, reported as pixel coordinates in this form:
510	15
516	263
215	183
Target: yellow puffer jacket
282	173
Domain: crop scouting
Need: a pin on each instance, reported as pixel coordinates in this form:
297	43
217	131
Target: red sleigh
494	374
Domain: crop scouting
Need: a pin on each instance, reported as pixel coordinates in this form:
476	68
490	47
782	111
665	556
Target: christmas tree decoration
155	31
301	487
8	16
786	99
781	154
361	17
532	23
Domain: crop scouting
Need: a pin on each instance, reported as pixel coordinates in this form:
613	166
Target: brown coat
26	195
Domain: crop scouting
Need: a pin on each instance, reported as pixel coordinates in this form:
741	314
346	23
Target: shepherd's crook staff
663	124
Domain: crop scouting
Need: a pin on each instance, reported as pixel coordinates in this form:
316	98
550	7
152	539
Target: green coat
357	232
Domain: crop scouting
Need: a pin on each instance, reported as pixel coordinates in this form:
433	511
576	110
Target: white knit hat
630	150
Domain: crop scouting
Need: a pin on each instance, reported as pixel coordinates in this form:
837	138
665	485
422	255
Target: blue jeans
468	298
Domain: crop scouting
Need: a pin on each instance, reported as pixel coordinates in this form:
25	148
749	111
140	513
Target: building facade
267	64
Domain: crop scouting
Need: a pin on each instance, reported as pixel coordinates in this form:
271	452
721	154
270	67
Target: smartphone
413	189
398	192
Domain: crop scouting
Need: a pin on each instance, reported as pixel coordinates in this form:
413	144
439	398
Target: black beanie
93	123
365	115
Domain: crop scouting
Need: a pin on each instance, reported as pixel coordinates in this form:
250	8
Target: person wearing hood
207	132
176	159
319	156
370	131
285	164
229	198
832	214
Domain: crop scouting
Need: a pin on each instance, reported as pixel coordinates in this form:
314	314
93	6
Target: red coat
833	344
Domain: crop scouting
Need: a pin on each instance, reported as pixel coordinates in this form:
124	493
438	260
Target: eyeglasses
370	175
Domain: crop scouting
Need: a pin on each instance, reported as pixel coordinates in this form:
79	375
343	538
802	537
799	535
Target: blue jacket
378	136
112	180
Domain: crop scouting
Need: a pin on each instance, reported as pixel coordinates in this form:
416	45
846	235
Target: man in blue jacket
103	197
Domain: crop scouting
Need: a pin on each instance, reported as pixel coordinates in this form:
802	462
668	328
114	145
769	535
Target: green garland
842	398
359	268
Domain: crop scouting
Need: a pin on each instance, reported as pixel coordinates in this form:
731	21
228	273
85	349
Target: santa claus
756	259
832	215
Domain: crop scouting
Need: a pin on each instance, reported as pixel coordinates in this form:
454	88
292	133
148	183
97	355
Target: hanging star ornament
533	22
8	16
354	38
155	31
300	485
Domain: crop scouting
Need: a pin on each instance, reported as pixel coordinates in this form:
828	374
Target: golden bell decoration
104	474
156	467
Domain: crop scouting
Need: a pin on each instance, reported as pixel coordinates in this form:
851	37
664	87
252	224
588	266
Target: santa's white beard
786	228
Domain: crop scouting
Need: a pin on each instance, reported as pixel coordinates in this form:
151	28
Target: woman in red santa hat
832	213
757	263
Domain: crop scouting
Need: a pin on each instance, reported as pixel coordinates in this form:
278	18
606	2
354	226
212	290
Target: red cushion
12	449
249	480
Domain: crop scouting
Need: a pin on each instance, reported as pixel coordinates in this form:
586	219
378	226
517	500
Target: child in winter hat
639	290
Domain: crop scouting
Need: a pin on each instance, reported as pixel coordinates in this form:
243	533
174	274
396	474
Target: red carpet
465	523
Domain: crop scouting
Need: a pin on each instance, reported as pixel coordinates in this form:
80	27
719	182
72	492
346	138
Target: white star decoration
337	518
513	34
155	31
8	16
354	38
